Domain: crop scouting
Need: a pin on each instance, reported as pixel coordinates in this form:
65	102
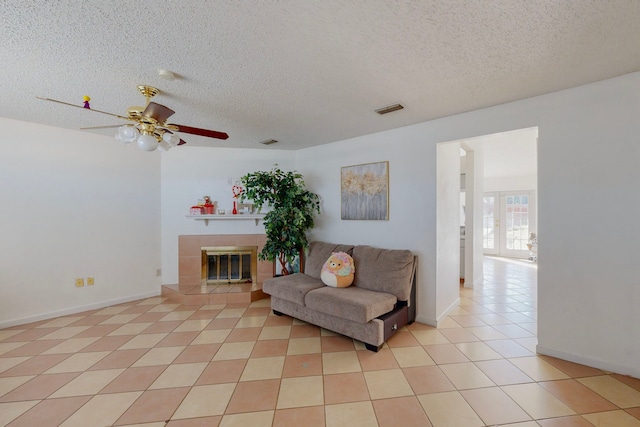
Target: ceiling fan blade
158	112
101	127
88	109
202	132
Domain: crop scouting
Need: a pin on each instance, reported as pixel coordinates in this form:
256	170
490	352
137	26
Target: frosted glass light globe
147	142
171	138
127	134
164	145
120	139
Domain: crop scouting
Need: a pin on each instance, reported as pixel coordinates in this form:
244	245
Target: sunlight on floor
517	261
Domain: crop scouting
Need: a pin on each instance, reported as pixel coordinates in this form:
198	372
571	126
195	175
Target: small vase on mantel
237	191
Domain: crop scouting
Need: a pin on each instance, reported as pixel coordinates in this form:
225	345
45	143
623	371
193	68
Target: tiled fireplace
212	269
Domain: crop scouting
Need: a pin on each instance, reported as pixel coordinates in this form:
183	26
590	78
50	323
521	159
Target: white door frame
495	223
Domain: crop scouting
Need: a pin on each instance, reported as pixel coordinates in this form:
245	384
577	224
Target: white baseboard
587	361
434	322
449	309
427	321
74	310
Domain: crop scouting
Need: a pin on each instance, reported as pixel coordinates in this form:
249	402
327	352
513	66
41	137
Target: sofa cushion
319	252
384	270
292	287
357	304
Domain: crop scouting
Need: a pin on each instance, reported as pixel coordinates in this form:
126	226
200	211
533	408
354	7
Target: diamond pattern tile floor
155	363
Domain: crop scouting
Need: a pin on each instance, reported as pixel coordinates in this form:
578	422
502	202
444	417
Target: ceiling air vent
389	109
269	141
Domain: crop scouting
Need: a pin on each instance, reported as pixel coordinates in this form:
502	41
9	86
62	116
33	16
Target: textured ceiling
300	71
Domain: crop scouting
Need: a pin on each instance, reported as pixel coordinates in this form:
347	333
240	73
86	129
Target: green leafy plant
291	215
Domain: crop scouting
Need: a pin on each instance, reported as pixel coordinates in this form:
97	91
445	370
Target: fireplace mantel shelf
206	218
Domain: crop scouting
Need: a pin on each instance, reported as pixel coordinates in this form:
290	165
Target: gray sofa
379	303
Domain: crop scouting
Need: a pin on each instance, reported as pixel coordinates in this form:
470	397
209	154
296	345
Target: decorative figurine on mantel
237	191
208	205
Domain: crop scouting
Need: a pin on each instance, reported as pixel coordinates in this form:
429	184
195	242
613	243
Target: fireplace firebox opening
229	265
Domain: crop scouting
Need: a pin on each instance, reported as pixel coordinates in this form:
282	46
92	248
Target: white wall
513	183
589	291
588	157
448	228
474	194
188	174
412	197
73	205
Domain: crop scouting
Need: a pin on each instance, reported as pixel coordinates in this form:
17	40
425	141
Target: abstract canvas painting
365	191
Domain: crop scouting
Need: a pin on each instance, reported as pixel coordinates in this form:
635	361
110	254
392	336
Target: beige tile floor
156	363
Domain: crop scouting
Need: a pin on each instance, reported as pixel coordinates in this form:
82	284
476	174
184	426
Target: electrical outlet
90	281
79	283
158	272
229	181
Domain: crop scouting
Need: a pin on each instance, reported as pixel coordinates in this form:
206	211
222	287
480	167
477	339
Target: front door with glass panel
508	218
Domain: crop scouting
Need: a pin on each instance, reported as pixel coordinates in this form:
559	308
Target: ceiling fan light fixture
127	134
163	145
121	140
147	142
171	138
151	128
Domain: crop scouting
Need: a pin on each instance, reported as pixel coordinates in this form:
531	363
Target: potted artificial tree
291	215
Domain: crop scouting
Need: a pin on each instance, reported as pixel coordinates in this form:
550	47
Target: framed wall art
364	191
